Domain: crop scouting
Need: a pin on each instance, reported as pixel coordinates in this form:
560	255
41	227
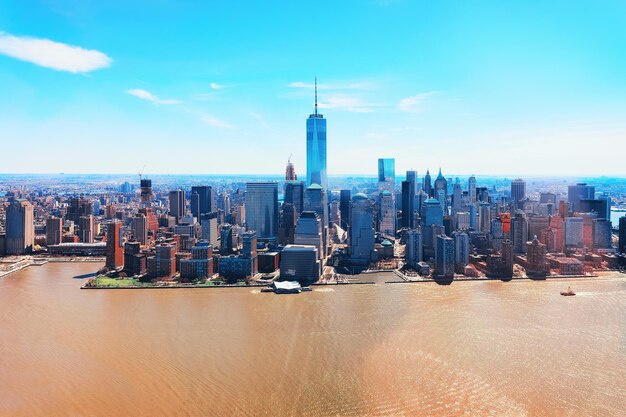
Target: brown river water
471	348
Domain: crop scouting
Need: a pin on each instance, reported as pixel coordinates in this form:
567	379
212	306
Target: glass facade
316	150
262	209
386	170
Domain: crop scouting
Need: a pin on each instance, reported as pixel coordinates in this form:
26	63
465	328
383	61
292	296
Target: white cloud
55	55
414	104
216	86
148	96
347	103
215	122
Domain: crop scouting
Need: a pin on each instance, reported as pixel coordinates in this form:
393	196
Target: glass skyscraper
316	148
262	209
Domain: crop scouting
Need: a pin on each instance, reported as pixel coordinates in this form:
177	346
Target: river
471	348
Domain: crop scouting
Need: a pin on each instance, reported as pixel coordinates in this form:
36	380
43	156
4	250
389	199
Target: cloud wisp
215	122
148	96
51	54
415	104
346	102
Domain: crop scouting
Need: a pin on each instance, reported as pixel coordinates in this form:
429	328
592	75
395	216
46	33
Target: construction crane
141	172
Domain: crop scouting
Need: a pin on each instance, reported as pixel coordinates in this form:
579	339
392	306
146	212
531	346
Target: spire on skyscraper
316	95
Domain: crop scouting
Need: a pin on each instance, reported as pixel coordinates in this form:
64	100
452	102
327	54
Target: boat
568	293
304	289
287	287
267	289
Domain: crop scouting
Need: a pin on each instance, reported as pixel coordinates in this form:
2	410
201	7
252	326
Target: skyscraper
54	231
471	189
444	257
386	213
461	251
202	200
577	192
262	209
427	187
622	235
536	264
145	197
408	204
361	231
177	204
413	251
20	227
290	171
518	192
344	208
441	184
139	228
294	194
316	148
309	231
86	228
519	232
115	245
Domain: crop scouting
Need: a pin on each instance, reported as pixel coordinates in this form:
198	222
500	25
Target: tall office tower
461	251
507	258
300	263
413	251
386	174
411	176
386	213
344	208
484	217
444	257
262	210
239	214
431	215
536	224
139	228
602	234
115	245
134	263
316	148
536	263
315	199
408	204
471	189
497	233
248	250
86	226
290	171
223	203
441	184
577	192
334	212
202	200
361	230
457	197
294	194
54	231
178	207
165	260
309	232
145	197
605	206
427	187
557	224
519	232
462	220
20	227
622	235
518	192
287	224
79	206
588	224
547	198
208	228
573	232
226	240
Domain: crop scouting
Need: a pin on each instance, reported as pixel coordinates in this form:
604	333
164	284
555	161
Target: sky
182	87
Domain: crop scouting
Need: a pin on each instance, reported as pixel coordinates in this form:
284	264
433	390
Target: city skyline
522	84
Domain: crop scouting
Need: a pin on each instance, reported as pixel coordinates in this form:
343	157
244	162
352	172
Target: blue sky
485	87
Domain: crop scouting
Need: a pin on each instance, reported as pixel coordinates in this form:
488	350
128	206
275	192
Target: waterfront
474	348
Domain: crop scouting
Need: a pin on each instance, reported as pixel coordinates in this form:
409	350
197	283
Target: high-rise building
78	206
519	232
602	234
361	230
344	208
294	194
287	224
262	209
444	257
134	262
386	213
54	231
427	186
457	197
536	263
577	192
408	204
413	251
145	198
139	228
441	184
226	240
178	205
471	189
290	171
518	192
316	148
115	245
461	251
462	220
86	227
573	232
622	235
386	173
432	214
202	200
208	228
20	227
315	199
300	263
484	217
309	232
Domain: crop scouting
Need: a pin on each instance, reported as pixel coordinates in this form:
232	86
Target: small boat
568	293
304	289
267	289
